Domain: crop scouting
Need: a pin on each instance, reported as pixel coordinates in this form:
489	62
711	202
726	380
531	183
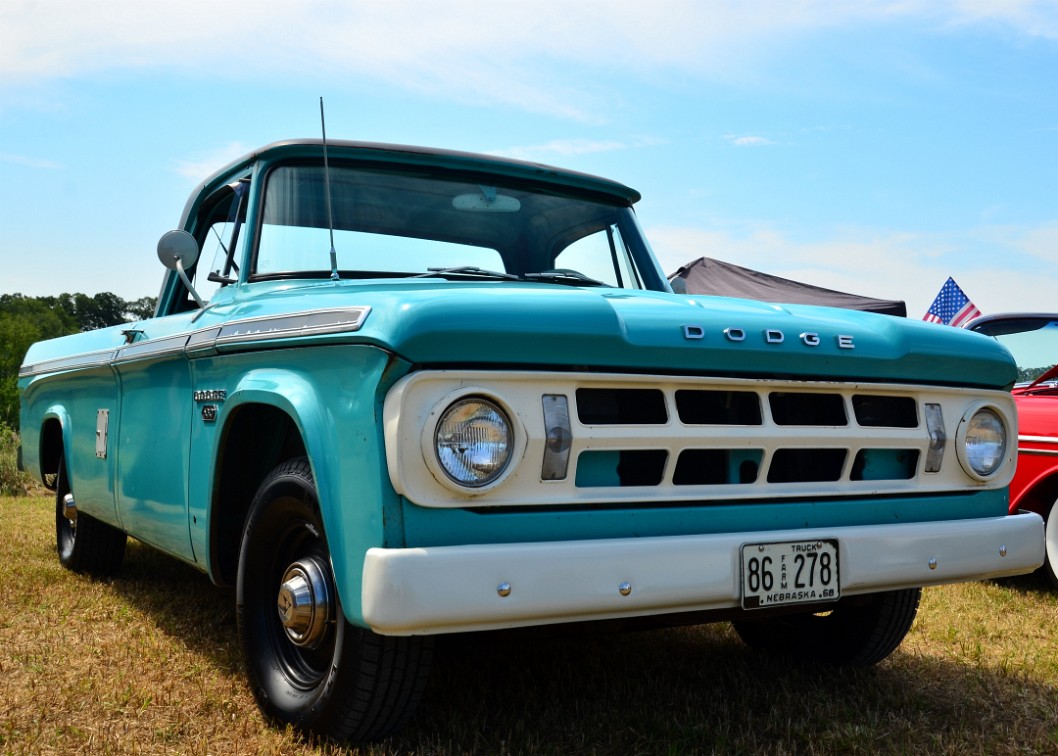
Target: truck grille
742	465
647	440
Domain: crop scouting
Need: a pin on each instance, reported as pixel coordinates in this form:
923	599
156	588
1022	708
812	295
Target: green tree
24	320
101	310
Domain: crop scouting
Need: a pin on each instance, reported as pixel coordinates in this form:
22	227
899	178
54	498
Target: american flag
951	307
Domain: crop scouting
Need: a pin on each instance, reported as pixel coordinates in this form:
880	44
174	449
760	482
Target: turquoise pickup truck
391	393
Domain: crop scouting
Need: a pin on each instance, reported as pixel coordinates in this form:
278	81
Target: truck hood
443	323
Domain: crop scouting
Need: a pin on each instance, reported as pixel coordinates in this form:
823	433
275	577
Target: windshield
1033	341
394	224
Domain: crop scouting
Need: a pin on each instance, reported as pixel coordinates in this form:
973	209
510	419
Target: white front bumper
446	589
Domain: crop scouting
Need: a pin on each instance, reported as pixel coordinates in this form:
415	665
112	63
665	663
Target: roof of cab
380	154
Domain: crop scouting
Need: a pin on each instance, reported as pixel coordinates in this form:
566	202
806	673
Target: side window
602	256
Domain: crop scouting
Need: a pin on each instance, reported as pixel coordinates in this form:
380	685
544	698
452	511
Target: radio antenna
327	184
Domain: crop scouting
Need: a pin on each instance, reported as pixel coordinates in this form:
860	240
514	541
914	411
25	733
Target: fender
341	431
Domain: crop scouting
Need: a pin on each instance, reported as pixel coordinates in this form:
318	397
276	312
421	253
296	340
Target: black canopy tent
708	276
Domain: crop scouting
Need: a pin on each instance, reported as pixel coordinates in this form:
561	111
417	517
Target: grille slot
884	464
702	407
630	467
717	467
621	406
806	465
789	408
885	411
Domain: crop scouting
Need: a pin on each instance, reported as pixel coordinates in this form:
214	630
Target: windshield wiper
467	270
564	275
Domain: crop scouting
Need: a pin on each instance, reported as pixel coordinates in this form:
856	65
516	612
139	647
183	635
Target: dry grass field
148	662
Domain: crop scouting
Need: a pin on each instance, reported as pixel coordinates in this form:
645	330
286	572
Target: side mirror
178	251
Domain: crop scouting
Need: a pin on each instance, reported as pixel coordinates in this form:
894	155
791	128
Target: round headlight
985	442
473	442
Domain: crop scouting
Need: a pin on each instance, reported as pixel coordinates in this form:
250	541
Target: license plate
791	572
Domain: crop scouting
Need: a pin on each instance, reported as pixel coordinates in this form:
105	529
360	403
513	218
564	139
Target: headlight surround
982	442
473	441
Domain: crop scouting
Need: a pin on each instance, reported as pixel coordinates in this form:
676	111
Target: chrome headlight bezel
977	423
458	474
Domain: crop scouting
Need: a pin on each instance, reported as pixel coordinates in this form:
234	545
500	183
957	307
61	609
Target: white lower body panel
445	589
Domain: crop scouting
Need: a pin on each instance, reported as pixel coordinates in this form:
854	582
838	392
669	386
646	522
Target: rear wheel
859	632
308	667
1050	563
84	543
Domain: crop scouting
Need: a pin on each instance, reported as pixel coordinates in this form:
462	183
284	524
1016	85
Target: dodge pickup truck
391	393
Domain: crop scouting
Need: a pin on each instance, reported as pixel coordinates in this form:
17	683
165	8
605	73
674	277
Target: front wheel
1050	561
858	632
309	667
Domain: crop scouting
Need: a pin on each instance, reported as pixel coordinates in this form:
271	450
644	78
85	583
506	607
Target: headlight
984	443
473	442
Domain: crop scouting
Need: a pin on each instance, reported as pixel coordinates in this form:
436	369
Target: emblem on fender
211	395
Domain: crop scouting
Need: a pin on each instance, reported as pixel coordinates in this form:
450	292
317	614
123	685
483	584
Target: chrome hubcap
305	603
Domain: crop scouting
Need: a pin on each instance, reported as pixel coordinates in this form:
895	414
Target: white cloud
561	148
30	162
514	53
748	141
203	165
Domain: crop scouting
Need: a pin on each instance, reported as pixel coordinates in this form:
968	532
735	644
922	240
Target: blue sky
872	147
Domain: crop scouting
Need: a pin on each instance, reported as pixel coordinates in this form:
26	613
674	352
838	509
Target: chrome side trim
249	330
296	325
1039	452
1038	440
76	362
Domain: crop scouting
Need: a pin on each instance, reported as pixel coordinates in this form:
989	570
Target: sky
872	147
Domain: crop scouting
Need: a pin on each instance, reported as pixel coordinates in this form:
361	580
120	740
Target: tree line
25	320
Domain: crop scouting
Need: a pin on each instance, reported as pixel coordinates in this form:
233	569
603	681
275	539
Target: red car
1033	340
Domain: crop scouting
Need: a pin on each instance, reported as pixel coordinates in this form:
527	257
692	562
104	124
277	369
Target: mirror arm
179	264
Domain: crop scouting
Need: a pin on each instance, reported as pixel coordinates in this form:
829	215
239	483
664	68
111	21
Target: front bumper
447	589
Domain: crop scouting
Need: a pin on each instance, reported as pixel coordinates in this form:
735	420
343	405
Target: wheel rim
301	627
304	603
65	527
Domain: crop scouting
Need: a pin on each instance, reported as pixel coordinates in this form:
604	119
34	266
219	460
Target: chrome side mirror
178	251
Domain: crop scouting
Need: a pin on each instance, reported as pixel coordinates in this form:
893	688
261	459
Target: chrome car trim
299	324
1038	440
295	325
75	362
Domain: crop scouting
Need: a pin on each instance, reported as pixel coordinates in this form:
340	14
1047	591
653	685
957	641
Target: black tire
858	632
85	544
320	675
1050	560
